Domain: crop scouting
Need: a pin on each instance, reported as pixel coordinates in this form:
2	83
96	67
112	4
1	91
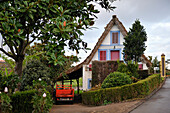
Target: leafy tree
54	23
155	63
135	42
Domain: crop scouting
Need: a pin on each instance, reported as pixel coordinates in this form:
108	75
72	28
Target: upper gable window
114	37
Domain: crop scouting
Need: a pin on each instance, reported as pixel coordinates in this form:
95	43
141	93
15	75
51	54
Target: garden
34	37
122	85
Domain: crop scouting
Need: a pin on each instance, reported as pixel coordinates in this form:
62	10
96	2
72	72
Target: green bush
33	71
21	101
130	69
6	106
8	79
116	79
42	100
139	89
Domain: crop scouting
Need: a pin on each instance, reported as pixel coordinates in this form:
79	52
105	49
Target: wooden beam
70	81
78	89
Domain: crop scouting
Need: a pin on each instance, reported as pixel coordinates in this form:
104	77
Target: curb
145	99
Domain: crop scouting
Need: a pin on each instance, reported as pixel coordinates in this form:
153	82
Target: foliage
135	42
41	103
21	101
8	61
139	89
143	74
56	24
100	70
6	106
8	79
155	63
130	69
116	79
33	71
107	102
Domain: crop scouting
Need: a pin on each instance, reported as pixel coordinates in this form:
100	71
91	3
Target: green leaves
135	42
56	24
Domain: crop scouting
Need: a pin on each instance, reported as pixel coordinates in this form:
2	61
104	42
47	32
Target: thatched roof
114	21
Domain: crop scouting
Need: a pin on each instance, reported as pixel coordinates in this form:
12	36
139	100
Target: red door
114	55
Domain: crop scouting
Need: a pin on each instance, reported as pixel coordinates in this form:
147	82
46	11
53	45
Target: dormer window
114	37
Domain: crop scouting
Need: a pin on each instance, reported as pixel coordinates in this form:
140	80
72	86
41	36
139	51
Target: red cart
64	93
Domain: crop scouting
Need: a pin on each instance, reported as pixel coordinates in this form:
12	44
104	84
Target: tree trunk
18	68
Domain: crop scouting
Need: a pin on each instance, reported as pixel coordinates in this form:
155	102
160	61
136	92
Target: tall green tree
134	45
55	23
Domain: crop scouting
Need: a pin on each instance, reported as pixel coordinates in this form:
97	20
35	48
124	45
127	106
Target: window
140	66
102	55
115	55
89	83
115	38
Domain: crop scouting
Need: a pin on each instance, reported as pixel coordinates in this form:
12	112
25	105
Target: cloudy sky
154	16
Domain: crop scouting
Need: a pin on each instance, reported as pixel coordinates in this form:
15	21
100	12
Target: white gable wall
106	45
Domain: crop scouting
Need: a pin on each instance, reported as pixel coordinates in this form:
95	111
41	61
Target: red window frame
102	55
115	38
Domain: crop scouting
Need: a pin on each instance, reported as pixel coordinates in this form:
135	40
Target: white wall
106	41
86	75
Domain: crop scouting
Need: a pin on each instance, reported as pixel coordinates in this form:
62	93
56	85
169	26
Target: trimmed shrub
21	101
139	89
116	79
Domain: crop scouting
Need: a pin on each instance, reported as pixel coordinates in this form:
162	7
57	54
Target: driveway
123	107
158	103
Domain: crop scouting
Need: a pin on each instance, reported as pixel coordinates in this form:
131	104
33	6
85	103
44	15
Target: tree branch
9	45
1	49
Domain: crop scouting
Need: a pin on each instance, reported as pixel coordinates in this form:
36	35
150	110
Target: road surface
158	103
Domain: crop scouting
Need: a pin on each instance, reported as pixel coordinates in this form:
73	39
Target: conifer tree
134	45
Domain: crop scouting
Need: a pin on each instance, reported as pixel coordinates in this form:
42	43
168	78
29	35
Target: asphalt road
158	103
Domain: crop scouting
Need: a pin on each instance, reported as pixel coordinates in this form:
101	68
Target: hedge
139	89
21	101
101	69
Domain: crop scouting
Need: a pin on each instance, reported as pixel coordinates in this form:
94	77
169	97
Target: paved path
79	108
158	103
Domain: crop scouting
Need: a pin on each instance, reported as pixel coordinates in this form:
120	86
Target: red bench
64	93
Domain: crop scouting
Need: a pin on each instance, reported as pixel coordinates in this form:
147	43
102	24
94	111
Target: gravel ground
123	107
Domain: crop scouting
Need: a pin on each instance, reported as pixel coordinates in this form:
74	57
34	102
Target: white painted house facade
109	47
